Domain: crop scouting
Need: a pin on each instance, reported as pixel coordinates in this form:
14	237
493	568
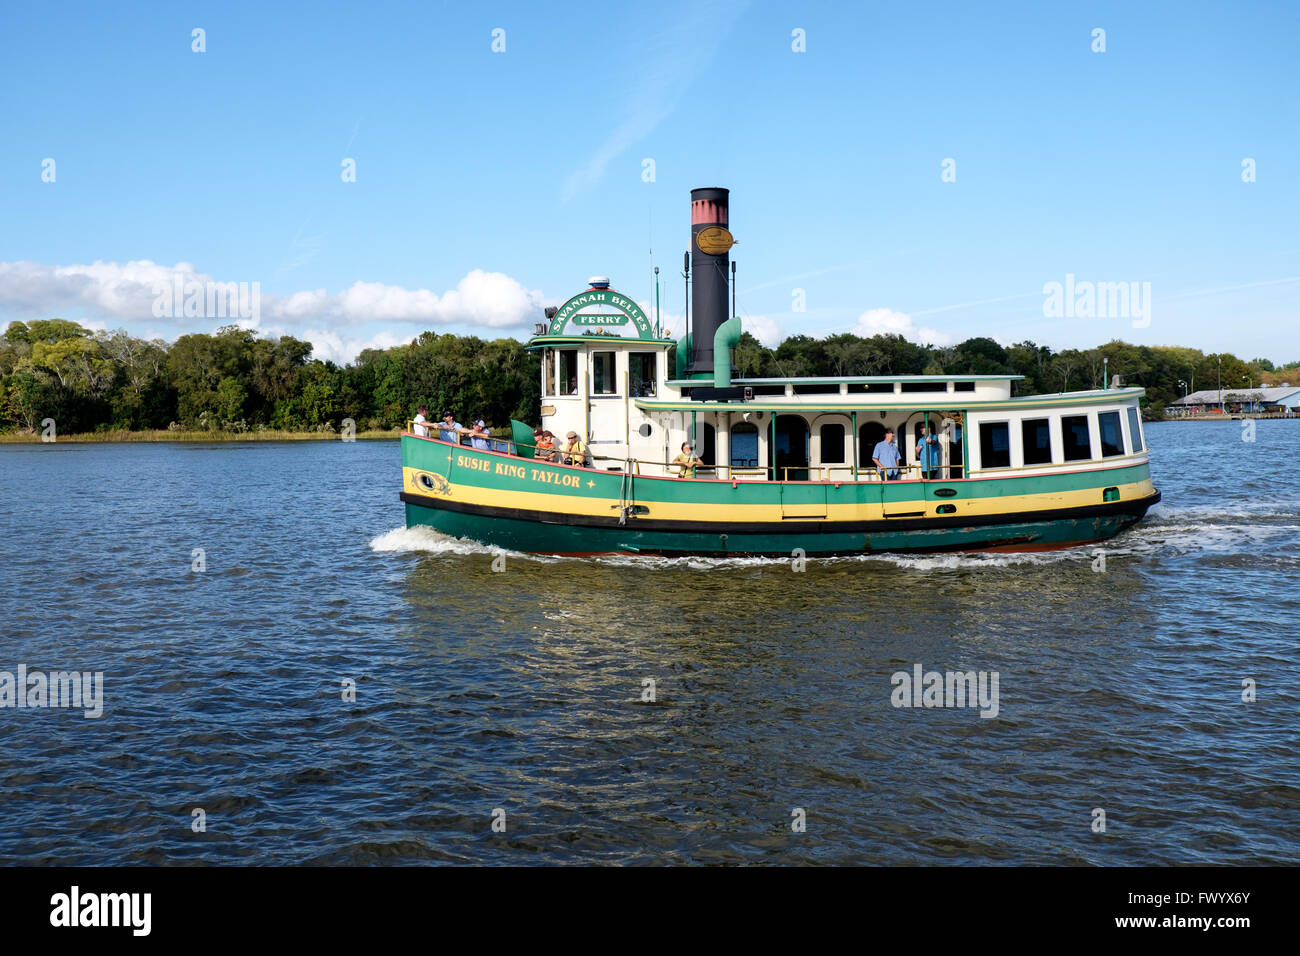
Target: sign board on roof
601	312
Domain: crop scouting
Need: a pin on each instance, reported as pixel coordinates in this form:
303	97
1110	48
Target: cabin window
1078	443
925	387
995	445
568	371
744	445
1112	442
602	373
548	372
1036	436
963	386
821	388
1134	430
642	374
871	388
832	444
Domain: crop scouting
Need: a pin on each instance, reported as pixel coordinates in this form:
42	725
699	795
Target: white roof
1268	396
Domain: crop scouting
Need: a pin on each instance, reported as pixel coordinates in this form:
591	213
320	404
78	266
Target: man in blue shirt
886	456
928	455
451	430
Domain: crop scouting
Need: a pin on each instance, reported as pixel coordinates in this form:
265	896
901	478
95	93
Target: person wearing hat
479	437
450	429
686	462
576	451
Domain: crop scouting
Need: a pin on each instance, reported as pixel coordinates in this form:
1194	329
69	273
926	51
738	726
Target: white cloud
765	329
109	289
888	322
125	292
329	346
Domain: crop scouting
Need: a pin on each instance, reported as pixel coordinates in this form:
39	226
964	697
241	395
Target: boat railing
787	473
433	429
633	466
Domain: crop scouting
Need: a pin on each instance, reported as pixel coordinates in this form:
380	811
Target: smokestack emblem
714	240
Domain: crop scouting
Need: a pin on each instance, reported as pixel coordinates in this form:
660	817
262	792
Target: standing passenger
686	462
421	416
451	430
479	436
928	455
886	456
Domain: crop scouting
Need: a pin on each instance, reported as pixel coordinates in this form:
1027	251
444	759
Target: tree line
234	380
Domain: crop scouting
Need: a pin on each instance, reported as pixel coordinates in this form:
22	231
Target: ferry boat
786	464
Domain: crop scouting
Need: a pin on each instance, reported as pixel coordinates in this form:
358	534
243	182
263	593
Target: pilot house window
641	373
602	373
569	372
548	372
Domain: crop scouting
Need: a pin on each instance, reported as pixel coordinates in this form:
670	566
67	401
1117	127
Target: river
632	709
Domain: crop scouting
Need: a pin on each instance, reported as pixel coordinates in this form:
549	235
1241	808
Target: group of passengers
574	452
928	455
450	430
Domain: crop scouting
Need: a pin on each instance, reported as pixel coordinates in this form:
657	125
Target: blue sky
491	183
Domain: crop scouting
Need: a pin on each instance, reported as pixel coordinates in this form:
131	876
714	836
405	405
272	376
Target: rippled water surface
522	690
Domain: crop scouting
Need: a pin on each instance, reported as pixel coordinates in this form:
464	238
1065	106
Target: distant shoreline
165	435
1229	418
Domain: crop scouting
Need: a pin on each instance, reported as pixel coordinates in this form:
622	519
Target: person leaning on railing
417	425
576	451
886	456
686	462
545	445
450	430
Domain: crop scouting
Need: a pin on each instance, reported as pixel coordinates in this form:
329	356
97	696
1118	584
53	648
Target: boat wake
424	540
1168	533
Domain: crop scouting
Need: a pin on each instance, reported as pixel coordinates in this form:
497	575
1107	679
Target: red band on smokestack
705	212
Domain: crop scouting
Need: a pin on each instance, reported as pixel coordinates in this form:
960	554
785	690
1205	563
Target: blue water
521	689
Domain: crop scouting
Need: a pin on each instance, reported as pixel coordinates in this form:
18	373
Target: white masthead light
598	282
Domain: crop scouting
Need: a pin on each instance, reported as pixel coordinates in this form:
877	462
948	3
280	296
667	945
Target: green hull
517	534
485	496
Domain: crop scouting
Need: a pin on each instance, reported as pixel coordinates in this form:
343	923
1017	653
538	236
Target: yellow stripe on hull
740	514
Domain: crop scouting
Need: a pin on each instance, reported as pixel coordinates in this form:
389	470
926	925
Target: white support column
722	445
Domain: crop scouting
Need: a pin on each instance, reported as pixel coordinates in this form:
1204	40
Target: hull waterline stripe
1136	507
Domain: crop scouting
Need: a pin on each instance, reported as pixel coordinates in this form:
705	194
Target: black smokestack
709	211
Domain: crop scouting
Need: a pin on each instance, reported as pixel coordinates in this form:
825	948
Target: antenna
733	286
686	274
658	334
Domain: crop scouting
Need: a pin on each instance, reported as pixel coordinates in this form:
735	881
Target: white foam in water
1175	532
425	540
421	538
